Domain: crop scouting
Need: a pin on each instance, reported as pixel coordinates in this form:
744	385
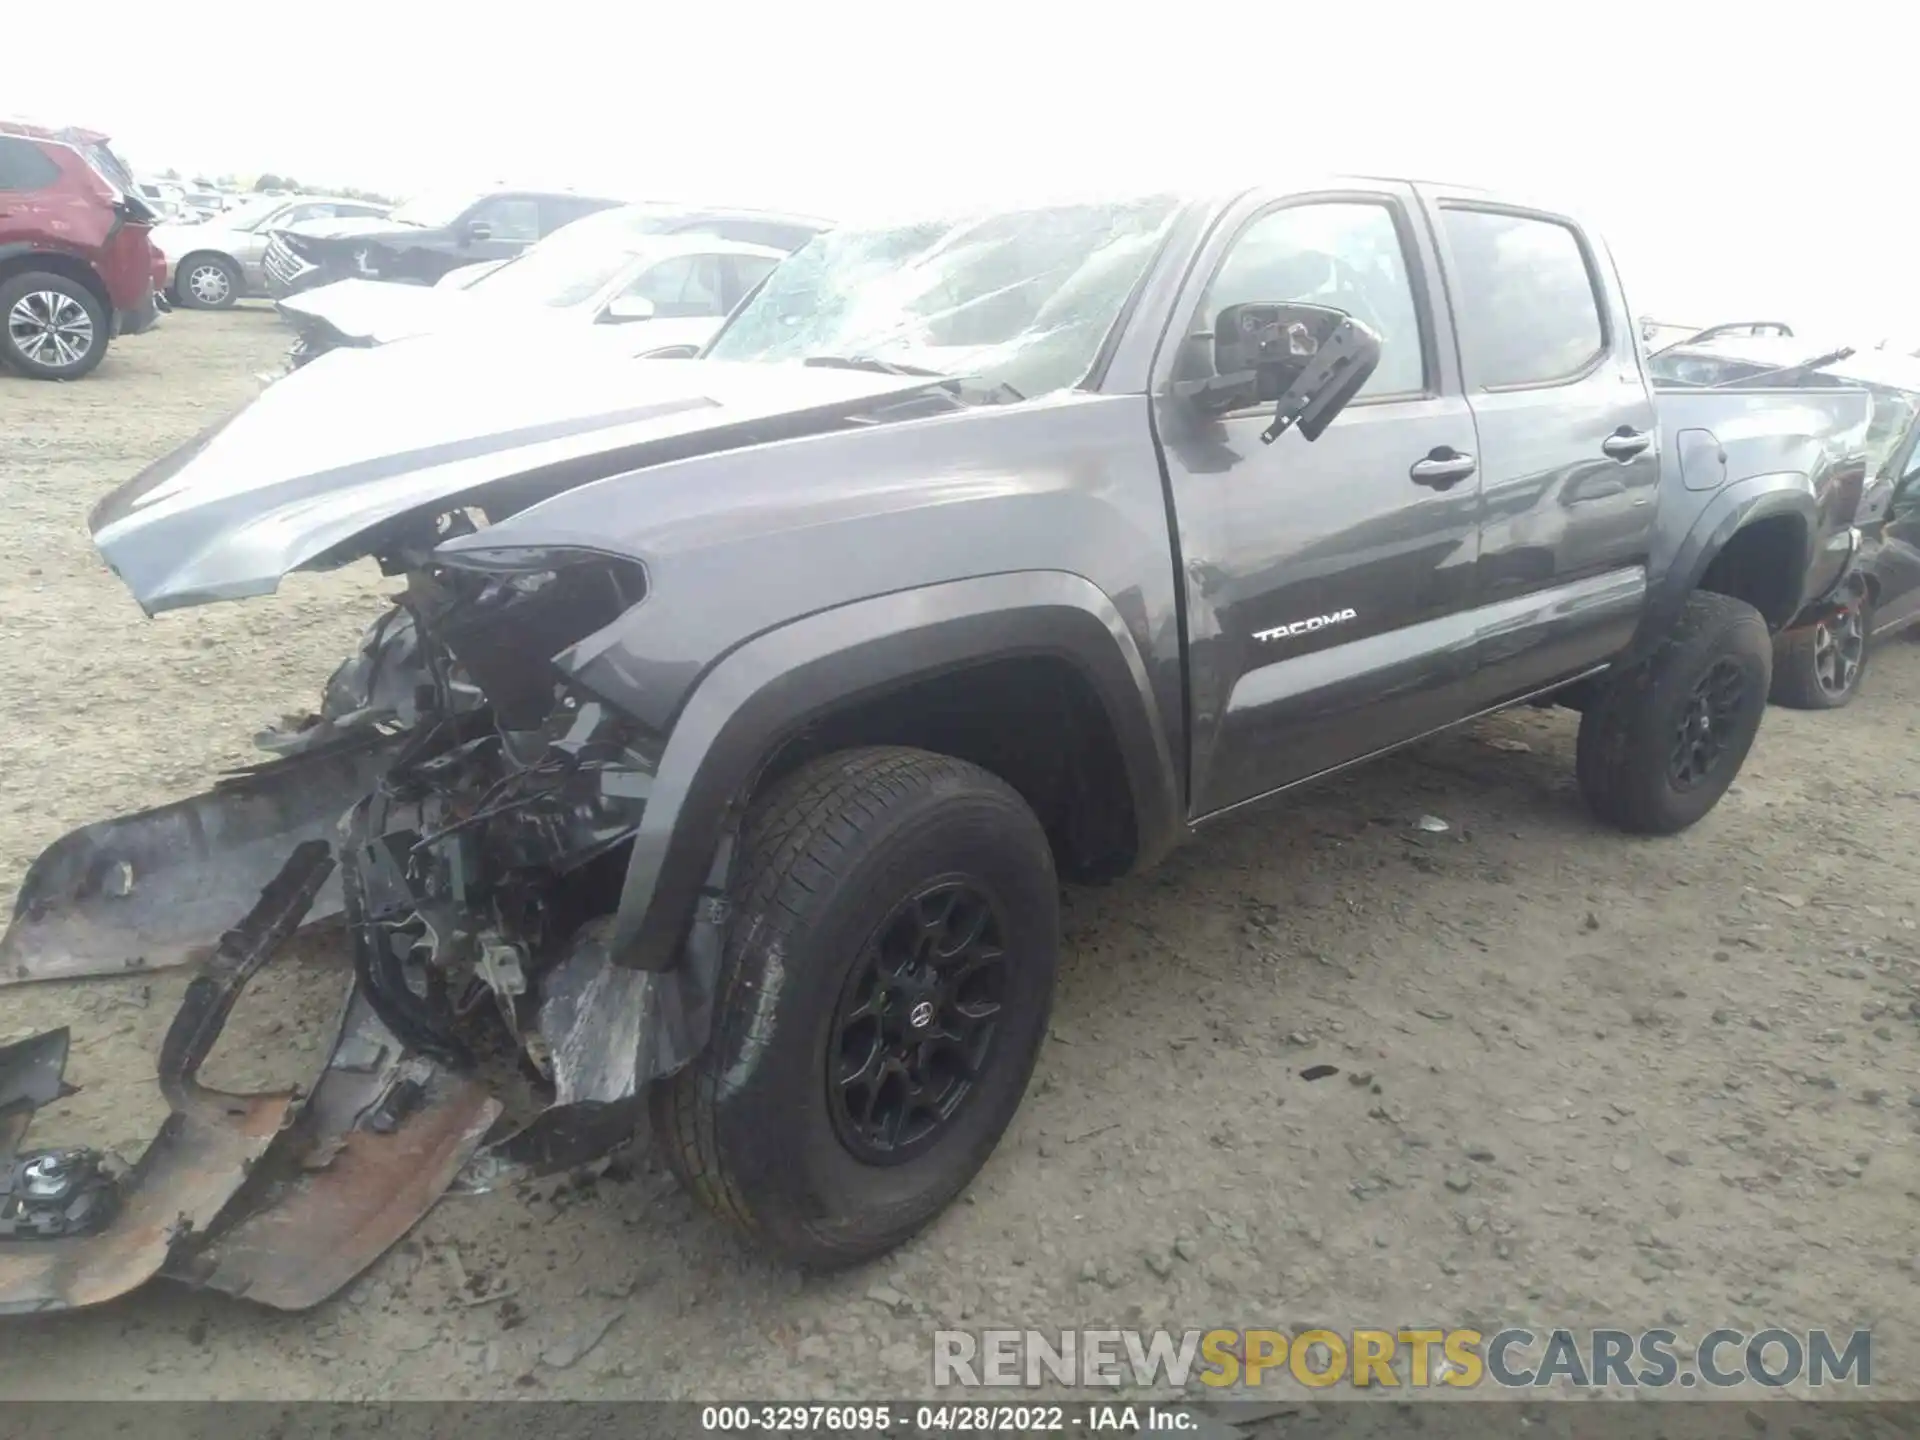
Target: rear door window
1528	309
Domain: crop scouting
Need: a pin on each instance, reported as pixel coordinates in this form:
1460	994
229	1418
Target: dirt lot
1582	1080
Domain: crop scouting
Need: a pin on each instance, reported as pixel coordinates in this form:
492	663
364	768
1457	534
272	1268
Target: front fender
767	689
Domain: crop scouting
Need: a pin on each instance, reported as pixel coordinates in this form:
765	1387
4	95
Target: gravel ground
1580	1080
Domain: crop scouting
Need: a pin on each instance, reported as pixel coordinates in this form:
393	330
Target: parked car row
212	264
721	752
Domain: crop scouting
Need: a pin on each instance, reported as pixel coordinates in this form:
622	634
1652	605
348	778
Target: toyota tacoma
737	717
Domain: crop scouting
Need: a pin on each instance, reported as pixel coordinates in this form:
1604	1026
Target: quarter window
1345	254
1526	304
23	166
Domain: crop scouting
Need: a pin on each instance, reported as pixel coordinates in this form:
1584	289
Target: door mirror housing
623	309
476	231
1308	360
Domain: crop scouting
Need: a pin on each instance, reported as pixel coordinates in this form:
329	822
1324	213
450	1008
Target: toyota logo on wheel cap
921	1015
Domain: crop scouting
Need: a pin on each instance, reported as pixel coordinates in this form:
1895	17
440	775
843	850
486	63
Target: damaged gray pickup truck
736	715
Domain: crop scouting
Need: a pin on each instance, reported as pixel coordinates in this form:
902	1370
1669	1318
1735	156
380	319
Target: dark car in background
76	256
1818	666
423	239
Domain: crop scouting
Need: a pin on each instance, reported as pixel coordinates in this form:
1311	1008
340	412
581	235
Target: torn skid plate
88	1228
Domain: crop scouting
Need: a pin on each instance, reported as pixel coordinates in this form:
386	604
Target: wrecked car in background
214	263
420	241
613	268
735	717
1818	664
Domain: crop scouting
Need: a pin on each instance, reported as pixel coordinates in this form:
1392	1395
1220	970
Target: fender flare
769	687
1731	509
31	248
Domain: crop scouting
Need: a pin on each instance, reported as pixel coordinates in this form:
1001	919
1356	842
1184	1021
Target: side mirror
624	308
1309	360
478	230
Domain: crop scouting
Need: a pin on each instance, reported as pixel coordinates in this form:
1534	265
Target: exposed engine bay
467	816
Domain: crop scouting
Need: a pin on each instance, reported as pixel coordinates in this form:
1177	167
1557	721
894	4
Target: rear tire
43	318
1661	742
207	282
1819	666
845	867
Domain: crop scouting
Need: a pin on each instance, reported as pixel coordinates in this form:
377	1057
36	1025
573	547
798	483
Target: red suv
76	261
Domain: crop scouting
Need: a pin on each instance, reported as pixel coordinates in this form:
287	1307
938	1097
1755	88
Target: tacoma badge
1307	626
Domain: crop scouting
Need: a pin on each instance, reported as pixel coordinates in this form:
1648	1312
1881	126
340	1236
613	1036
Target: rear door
25	172
1569	448
1327	583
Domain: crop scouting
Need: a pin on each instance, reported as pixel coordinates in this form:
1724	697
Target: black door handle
1443	468
1624	444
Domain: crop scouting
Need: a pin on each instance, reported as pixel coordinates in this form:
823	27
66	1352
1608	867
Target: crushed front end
466	814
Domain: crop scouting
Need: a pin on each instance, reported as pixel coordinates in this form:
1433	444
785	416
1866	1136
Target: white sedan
667	292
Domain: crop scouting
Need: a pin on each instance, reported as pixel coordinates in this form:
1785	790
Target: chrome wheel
50	329
209	283
1838	646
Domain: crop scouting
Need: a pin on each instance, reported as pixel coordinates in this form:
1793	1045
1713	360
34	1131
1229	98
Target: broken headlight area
479	812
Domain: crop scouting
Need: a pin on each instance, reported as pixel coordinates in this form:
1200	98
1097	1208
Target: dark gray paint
798	559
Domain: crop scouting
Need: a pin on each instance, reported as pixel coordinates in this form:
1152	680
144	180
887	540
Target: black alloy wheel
917	1022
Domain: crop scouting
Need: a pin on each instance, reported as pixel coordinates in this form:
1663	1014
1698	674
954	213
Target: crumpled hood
374	312
317	470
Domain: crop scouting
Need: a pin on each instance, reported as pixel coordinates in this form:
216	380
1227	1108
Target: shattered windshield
1020	299
435	209
573	264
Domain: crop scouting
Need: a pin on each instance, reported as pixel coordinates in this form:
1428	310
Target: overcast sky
1742	159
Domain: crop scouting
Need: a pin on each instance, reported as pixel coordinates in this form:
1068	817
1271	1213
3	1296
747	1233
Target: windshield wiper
873	363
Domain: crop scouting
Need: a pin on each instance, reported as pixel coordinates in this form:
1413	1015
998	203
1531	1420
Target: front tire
207	282
885	989
1661	743
1819	666
51	327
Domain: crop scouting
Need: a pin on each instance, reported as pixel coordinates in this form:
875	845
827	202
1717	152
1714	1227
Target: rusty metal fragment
156	888
205	1150
383	1137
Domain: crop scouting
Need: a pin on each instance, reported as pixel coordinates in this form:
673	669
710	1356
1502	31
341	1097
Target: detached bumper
281	1198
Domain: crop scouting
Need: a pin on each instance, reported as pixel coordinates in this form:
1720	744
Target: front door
1327	583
